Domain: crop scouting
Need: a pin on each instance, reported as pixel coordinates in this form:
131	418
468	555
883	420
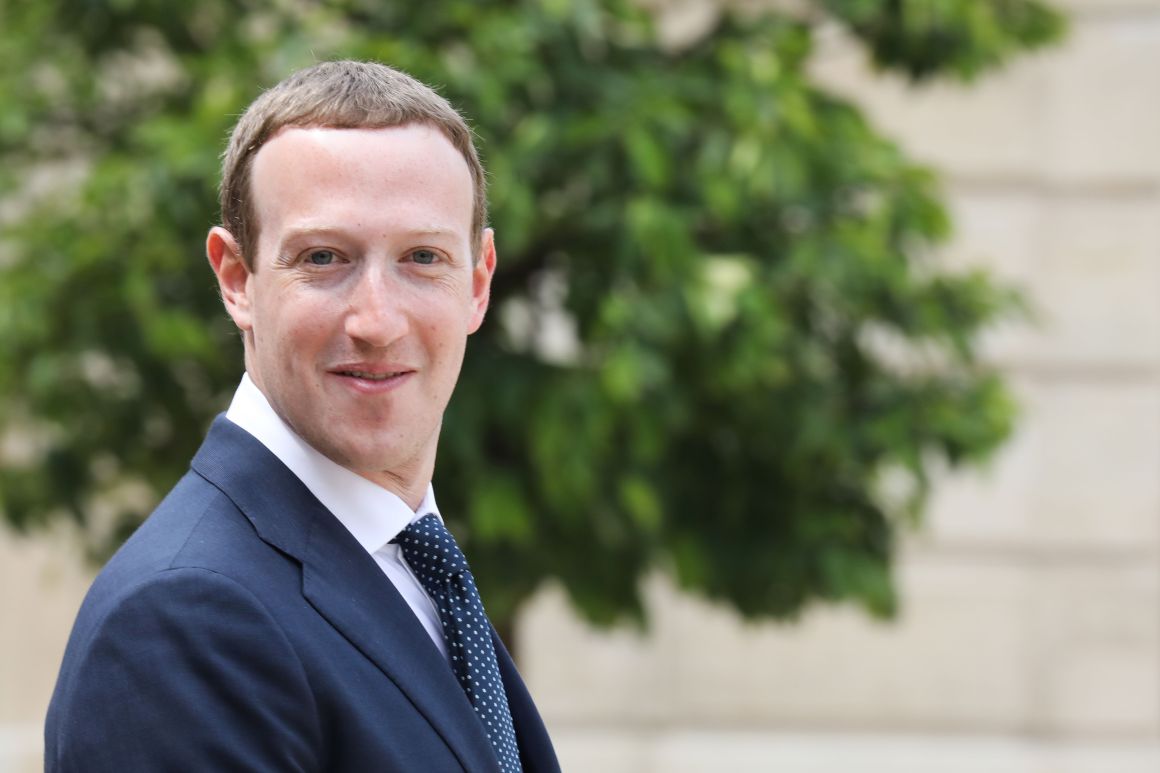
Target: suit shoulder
195	553
165	608
196	525
174	648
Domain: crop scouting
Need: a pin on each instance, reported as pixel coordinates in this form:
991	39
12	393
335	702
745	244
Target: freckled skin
364	265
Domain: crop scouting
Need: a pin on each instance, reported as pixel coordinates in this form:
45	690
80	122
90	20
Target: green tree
759	337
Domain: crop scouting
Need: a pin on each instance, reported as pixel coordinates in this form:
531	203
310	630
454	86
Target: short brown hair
338	95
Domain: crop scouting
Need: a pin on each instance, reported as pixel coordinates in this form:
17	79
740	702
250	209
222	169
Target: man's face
363	291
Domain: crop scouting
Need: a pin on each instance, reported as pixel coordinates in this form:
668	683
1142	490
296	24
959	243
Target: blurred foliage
964	37
760	360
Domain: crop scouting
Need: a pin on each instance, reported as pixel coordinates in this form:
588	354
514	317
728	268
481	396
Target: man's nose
376	314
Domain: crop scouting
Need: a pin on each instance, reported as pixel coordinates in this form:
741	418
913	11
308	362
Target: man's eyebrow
433	230
300	232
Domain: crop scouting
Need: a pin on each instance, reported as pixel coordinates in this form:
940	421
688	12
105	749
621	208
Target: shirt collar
368	511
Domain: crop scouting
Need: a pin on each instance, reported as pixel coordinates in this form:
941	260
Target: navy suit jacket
242	628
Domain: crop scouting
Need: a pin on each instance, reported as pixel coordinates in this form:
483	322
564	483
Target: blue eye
320	258
424	257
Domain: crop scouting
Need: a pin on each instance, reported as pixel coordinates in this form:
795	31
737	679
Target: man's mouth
367	375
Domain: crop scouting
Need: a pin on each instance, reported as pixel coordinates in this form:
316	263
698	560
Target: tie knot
431	550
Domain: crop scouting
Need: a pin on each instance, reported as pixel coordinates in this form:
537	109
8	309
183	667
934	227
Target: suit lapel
536	752
343	583
384	628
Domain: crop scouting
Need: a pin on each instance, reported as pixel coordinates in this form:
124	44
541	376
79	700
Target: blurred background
816	426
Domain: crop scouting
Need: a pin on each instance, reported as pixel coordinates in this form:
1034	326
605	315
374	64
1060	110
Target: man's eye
424	257
320	257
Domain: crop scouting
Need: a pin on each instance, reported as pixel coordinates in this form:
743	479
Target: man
295	602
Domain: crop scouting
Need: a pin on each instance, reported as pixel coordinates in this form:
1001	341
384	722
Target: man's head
337	95
367	263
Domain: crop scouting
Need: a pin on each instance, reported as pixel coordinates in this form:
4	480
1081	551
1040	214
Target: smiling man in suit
296	603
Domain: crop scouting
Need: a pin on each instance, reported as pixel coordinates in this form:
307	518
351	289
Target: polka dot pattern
439	564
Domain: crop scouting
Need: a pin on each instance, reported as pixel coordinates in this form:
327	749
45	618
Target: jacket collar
343	583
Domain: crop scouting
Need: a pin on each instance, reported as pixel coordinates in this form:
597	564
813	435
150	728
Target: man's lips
372	373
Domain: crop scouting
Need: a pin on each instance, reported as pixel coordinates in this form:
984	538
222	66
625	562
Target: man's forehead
338	150
311	177
336	135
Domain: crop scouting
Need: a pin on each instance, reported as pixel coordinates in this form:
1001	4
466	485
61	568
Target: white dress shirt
373	515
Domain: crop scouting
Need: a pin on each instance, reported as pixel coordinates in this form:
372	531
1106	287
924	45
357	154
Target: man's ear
225	256
481	274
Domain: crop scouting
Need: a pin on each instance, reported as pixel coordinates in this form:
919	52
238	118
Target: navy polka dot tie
439	564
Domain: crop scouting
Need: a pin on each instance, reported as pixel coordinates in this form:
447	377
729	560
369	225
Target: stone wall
42	582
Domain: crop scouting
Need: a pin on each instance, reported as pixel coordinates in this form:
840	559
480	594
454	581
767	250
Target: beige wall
1030	638
42	582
